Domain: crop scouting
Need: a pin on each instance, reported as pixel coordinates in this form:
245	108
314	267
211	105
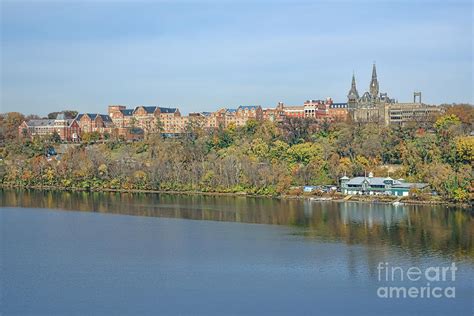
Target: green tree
304	153
259	148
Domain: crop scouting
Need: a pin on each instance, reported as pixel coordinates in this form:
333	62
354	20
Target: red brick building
67	129
120	115
317	109
338	111
293	111
93	122
274	115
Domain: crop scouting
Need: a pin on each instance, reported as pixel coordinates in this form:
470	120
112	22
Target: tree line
261	157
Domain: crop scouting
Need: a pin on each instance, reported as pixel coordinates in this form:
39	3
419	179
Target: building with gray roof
370	185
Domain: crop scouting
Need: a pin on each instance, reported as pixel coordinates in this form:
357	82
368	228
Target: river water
85	253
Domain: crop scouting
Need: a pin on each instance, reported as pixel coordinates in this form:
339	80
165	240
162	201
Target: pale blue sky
203	55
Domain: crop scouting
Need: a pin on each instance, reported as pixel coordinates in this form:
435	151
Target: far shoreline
339	198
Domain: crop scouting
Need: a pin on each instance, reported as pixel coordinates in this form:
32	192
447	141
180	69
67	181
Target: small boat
397	203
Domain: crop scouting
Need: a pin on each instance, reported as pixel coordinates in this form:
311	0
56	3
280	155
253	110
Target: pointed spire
374	84
353	94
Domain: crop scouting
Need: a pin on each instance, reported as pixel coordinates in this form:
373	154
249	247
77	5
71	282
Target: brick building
338	111
274	115
93	122
214	120
242	114
67	129
317	109
294	111
120	115
150	119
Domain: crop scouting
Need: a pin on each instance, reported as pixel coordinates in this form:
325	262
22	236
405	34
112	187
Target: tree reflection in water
413	228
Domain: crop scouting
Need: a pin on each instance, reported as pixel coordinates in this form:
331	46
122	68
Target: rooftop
248	107
382	181
40	122
152	109
127	112
93	116
46	122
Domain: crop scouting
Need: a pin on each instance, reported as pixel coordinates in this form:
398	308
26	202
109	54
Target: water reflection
373	214
416	229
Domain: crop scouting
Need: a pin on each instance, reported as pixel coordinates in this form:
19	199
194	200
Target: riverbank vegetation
260	158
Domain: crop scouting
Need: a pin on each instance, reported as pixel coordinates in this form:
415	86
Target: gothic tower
374	84
353	95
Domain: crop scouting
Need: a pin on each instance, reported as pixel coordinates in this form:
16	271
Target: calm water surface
82	254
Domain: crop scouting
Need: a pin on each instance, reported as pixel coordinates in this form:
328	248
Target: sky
205	55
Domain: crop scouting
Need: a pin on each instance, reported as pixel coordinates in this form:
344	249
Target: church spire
374	84
353	95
